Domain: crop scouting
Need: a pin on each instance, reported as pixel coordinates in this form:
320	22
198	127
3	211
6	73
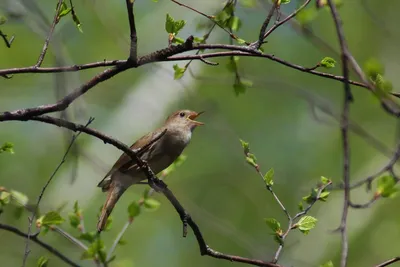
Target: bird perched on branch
159	149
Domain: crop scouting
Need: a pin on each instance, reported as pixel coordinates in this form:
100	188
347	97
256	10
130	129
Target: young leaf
20	198
386	186
178	40
324	180
7	147
328	62
2	20
151	204
178	72
285	1
300	206
245	146
178	25
324	196
74	220
5	198
77	22
42	261
169	24
134	209
51	218
306	223
373	67
268	177
235	23
88	236
273	224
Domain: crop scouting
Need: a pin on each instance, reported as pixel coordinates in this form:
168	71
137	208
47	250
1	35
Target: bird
158	152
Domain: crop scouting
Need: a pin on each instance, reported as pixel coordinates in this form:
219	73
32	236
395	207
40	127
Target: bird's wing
125	163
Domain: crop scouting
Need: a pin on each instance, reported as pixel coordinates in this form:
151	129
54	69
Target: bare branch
133	46
44	245
49	35
388	262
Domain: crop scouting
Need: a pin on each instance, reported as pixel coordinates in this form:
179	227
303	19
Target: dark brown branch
49	35
44	245
8	42
348	98
133	45
264	26
388	262
280	23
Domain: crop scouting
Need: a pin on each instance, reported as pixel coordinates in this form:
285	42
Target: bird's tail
114	193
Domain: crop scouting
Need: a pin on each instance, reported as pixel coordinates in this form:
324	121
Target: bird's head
185	119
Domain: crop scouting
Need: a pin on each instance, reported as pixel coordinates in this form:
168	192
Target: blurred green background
279	116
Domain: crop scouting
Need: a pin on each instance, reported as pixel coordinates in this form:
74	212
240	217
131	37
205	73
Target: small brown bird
175	136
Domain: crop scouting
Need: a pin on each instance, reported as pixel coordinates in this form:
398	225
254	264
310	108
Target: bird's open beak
194	116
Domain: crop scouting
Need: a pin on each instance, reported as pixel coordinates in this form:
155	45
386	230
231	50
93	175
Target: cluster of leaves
7	147
386	187
65	10
375	72
16	198
319	193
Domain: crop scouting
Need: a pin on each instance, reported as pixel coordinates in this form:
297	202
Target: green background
223	194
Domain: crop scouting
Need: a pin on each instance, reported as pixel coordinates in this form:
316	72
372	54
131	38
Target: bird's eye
182	114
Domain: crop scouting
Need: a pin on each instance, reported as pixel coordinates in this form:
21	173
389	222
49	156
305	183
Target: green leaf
373	67
134	209
235	23
20	198
96	248
151	204
64	10
3	20
324	196
306	223
74	220
178	40
77	22
285	2
232	63
5	198
273	224
386	186
325	180
383	84
88	236
327	264
268	177
300	206
328	62
178	25
42	262
245	146
108	223
312	196
251	159
178	72
278	239
7	147
51	218
240	41
169	24
241	86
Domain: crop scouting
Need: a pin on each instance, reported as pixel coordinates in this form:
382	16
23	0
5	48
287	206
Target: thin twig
345	133
44	245
264	26
49	35
44	189
297	216
8	42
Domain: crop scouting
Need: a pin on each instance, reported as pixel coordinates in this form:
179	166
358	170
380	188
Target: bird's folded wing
125	163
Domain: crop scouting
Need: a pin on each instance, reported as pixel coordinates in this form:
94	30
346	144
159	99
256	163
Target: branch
34	212
49	35
133	46
388	262
8	42
348	98
264	26
44	245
